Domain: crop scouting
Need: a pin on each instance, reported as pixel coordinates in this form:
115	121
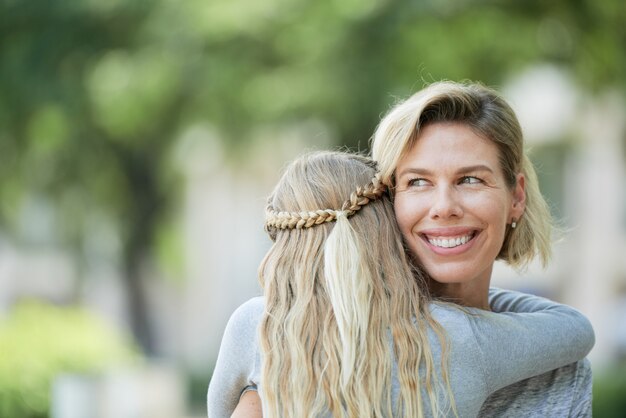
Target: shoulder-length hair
490	116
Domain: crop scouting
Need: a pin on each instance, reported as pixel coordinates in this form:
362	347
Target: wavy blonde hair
342	301
490	116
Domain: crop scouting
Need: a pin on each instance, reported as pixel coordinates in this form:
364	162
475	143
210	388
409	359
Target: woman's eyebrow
474	168
426	172
415	170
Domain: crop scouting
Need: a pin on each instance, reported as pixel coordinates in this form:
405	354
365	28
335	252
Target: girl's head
336	281
316	187
488	115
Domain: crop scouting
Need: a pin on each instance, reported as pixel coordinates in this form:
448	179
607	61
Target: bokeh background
139	138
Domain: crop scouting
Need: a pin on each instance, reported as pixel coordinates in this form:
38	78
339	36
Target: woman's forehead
445	144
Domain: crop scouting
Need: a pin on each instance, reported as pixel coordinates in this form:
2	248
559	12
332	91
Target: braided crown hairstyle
335	290
306	219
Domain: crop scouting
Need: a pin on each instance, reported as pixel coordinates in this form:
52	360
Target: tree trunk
136	299
142	215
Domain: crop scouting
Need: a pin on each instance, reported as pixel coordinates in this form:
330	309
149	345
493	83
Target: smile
449	242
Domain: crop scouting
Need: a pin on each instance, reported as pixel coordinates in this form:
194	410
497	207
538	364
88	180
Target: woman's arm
249	406
532	336
235	366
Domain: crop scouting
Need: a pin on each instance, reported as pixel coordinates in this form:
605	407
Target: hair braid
306	219
363	195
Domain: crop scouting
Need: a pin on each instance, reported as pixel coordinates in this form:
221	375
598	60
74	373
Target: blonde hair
489	115
342	301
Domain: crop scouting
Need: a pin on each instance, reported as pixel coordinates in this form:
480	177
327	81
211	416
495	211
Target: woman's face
453	204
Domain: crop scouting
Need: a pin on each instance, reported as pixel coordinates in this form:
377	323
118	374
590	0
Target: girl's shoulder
248	315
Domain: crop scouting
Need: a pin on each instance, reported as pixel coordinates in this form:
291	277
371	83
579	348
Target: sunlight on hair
349	294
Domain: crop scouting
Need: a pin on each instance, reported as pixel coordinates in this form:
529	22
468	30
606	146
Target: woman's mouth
449	242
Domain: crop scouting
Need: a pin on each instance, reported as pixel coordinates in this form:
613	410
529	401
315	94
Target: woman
346	327
466	194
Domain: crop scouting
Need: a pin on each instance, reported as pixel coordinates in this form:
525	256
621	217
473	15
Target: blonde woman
466	194
345	327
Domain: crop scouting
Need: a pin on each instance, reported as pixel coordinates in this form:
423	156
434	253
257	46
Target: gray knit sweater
524	339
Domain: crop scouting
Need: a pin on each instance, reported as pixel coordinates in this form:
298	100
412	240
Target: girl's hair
342	301
489	115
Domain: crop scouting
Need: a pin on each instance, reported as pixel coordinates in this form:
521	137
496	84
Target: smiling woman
465	195
453	204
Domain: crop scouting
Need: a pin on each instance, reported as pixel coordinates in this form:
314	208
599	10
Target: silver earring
513	224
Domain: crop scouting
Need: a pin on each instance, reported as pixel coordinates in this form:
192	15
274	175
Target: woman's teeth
450	242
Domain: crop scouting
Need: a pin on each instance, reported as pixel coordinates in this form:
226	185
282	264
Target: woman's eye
470	180
417	182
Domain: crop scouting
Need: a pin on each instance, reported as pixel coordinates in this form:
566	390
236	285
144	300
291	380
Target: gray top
525	337
562	392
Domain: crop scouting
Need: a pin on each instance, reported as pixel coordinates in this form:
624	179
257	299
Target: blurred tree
87	111
93	94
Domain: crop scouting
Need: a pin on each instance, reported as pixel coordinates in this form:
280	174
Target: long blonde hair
488	114
342	301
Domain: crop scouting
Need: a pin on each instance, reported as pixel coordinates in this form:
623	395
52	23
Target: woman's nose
446	204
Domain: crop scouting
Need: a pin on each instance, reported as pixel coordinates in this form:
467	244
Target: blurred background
139	139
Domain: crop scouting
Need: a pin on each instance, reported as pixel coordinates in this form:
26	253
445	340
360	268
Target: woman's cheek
407	214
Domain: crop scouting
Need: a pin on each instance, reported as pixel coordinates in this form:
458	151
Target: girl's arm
235	366
530	335
249	406
502	300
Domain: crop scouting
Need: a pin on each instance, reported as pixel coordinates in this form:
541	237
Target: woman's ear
518	204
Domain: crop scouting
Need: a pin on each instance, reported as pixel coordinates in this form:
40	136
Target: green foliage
609	393
94	95
197	391
39	341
